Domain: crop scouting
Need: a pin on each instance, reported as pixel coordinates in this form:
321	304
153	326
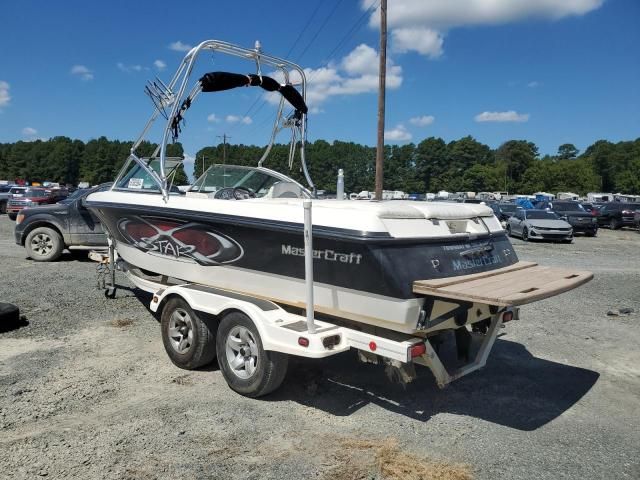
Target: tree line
429	166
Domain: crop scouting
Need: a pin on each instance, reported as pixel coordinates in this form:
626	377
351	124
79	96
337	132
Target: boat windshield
259	181
136	178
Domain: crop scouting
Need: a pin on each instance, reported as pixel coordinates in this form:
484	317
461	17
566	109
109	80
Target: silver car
539	225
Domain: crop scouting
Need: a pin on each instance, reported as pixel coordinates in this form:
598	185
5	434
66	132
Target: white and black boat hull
359	275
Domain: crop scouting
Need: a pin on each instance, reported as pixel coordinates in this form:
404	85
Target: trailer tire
9	317
257	372
189	339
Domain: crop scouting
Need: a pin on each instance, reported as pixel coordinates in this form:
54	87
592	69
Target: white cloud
212	118
509	116
422	121
533	84
362	60
355	74
29	131
420	25
5	98
82	72
130	68
398	134
236	119
179	46
425	41
160	65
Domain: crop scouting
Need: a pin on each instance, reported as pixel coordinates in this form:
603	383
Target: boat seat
285	190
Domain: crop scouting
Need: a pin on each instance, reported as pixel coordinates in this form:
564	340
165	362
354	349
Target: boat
240	228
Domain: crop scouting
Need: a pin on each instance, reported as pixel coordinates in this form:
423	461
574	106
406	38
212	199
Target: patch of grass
393	464
121	322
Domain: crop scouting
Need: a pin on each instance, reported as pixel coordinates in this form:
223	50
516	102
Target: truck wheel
190	341
12	216
614	224
44	244
246	366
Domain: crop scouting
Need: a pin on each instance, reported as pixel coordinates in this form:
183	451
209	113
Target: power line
357	25
293	45
324	23
304	29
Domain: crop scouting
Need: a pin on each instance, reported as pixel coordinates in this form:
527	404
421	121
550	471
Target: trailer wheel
246	366
189	340
44	244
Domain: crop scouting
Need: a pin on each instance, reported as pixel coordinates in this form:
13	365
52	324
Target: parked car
539	225
617	214
47	230
504	210
4	197
32	197
572	212
17	192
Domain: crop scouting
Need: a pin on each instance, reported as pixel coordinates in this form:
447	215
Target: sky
547	71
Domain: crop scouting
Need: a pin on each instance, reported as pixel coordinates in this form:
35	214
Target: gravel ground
87	391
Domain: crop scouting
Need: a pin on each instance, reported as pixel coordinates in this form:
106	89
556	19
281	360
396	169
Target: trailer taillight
417	350
507	317
303	342
373	346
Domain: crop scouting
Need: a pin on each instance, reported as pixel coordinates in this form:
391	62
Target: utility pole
381	99
224	138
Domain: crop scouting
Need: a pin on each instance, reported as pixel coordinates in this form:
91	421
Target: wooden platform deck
517	284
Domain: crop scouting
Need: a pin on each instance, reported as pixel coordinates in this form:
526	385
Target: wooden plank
551	289
506	284
443	282
516	287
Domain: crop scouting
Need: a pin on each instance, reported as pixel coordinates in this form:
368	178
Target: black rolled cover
218	81
294	98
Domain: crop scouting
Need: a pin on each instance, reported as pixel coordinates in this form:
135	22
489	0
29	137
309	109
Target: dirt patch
186	380
363	459
121	322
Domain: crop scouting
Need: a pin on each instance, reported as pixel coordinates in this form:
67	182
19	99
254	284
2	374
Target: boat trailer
249	334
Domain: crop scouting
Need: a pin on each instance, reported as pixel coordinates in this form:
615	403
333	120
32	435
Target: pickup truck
32	197
47	230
